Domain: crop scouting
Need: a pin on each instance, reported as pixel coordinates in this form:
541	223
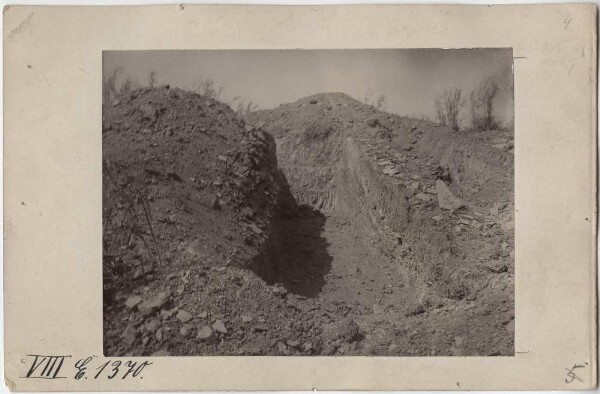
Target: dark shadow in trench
302	259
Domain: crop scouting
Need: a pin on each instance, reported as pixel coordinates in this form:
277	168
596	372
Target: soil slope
191	202
415	231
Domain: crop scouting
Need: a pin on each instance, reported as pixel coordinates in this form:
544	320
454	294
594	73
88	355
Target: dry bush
448	106
109	86
482	105
244	108
152	79
208	87
129	85
126	218
380	104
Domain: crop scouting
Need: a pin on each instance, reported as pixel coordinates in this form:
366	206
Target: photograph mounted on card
250	209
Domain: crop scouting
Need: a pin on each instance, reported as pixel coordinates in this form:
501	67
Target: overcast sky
410	79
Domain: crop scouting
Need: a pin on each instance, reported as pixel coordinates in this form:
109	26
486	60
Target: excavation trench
342	243
370	237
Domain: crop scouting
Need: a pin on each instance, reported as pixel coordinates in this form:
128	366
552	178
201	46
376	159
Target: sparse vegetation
448	106
482	105
115	84
152	79
208	87
109	86
378	104
129	85
244	108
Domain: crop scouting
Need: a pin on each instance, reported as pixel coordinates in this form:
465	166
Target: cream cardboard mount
53	169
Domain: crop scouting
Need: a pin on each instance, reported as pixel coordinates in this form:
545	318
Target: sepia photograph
348	202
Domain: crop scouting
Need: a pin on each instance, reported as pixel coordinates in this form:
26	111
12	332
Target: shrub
482	100
208	88
447	107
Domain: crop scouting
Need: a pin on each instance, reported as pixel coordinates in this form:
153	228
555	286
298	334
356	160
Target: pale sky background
410	79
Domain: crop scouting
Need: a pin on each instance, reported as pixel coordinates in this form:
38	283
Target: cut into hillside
417	219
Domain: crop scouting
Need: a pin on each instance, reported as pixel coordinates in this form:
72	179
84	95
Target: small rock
292	343
508	226
260	328
133	301
464	221
390	171
279	290
247	212
205	333
159	335
346	330
307	346
153	303
219	326
167	314
378	309
184	316
511	326
129	335
281	347
437	218
203	315
446	199
256	229
160	353
149	112
152	325
498	267
246	318
186	330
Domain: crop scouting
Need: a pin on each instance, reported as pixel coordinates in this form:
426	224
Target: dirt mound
178	165
438	271
310	134
191	201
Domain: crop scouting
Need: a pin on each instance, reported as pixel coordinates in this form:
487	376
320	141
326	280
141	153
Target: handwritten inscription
46	367
110	369
58	367
571	375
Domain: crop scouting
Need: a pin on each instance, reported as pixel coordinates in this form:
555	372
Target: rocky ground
401	241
